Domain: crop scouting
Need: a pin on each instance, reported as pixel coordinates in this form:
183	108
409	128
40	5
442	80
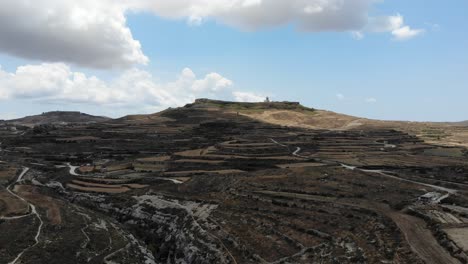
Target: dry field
10	205
445	134
226	188
7	173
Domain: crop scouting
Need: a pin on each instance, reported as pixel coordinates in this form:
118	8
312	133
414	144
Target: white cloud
393	24
136	89
247	97
95	33
308	15
371	100
385	23
405	33
340	96
212	82
87	32
357	35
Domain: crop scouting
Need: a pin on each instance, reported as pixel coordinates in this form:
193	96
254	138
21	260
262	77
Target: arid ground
220	182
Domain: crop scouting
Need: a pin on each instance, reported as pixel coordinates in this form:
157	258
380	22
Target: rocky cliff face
178	231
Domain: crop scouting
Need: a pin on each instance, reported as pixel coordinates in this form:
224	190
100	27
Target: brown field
7	173
300	165
105	180
99	185
97	189
191	153
10	205
86	169
446	134
135	185
155	159
50	205
199	161
175	173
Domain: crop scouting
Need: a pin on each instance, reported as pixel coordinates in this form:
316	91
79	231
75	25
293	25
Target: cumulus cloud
308	15
87	32
95	33
393	24
247	97
406	32
212	82
385	23
135	88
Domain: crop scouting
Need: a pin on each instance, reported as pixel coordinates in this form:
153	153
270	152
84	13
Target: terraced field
206	184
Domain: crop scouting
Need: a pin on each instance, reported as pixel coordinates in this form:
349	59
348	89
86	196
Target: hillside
206	183
57	117
295	115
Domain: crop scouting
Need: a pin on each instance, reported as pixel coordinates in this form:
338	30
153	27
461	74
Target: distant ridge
57	117
285	113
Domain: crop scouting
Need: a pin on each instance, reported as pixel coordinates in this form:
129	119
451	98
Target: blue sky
423	77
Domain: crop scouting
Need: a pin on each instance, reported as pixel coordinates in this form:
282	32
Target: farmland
207	183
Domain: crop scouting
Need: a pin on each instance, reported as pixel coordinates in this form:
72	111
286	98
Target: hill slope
205	183
295	115
58	117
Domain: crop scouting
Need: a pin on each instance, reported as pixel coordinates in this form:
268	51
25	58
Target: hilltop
293	114
56	118
246	106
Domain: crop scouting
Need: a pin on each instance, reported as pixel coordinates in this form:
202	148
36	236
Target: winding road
8	188
33	212
414	229
383	173
72	170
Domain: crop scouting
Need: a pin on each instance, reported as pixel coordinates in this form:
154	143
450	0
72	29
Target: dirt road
421	239
33	212
414	229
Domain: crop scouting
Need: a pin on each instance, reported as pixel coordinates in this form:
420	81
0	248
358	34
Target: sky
391	60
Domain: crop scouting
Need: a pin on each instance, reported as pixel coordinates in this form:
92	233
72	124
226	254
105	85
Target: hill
207	183
58	117
245	106
293	114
